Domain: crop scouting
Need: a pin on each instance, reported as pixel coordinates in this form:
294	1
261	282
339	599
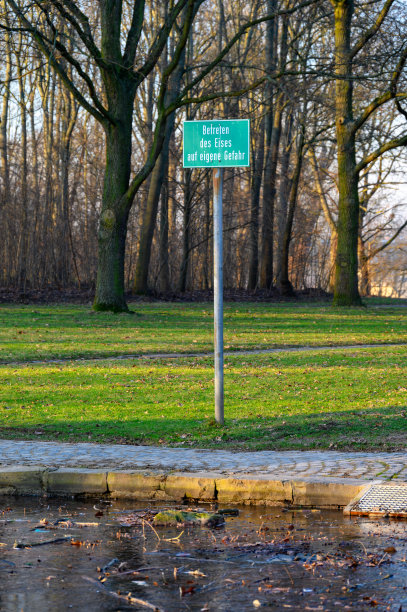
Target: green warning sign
223	143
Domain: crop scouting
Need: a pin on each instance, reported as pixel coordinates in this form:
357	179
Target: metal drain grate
380	500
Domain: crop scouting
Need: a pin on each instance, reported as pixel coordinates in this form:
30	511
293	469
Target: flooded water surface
100	557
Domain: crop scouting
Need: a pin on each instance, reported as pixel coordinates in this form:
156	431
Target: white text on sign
216	143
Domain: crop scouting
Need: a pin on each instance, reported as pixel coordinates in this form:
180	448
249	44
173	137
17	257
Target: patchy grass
30	333
385	301
345	399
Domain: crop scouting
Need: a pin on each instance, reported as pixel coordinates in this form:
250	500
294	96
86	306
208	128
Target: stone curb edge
264	489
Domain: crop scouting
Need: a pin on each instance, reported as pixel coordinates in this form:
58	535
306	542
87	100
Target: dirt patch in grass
85	295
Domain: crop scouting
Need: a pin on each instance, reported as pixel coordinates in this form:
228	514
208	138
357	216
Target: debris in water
128	599
32	544
180	517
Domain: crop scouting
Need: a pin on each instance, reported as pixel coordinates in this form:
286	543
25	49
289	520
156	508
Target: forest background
92	190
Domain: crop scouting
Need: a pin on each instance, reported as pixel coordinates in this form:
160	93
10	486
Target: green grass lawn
68	331
346	399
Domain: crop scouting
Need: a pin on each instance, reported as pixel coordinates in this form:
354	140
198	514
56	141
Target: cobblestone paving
279	465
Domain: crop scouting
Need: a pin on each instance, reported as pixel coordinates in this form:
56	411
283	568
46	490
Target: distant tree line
92	190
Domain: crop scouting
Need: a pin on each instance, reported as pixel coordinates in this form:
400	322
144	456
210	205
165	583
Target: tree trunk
115	210
23	250
364	268
157	177
164	273
208	243
272	150
148	223
4	158
35	189
346	270
269	196
328	217
150	212
5	173
332	261
182	283
284	193
285	285
68	120
257	173
47	92
63	221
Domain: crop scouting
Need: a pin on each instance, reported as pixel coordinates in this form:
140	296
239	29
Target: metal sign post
217	144
218	290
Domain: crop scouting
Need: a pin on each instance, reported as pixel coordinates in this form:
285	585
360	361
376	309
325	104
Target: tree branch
237	36
370	109
47	47
134	34
84	34
386	97
110	22
388	146
159	42
388	242
322	197
371	31
395	79
190	12
220	94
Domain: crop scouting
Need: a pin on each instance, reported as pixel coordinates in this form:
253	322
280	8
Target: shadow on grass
376	429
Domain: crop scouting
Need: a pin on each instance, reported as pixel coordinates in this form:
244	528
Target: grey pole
218	290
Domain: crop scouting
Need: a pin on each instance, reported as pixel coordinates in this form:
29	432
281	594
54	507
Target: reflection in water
271	558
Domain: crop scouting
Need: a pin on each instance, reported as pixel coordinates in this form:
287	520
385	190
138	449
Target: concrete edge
143	485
